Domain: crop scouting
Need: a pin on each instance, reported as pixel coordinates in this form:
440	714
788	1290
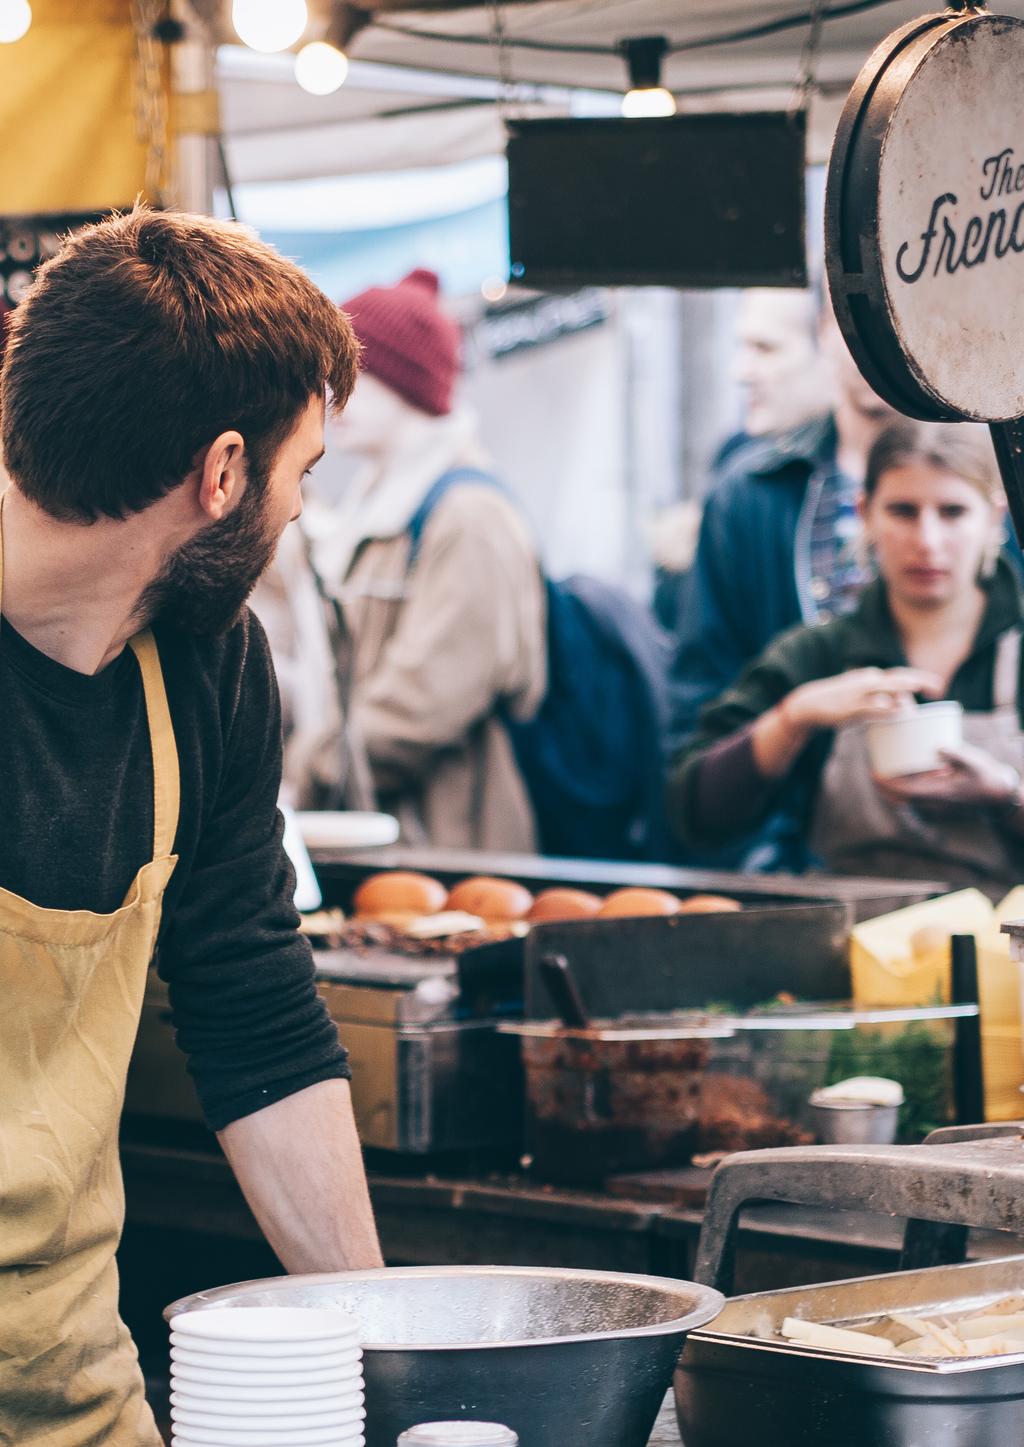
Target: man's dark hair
142	340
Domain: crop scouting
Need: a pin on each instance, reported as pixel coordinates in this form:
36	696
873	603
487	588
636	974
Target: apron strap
166	780
1006	671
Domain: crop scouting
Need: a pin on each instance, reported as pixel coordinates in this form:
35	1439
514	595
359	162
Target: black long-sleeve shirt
76	824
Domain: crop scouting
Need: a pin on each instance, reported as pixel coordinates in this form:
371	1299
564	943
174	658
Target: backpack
593	757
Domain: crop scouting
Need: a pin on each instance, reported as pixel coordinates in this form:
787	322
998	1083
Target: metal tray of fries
739	1381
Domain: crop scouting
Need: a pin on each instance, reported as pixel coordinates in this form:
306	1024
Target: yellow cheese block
904	959
1004	1073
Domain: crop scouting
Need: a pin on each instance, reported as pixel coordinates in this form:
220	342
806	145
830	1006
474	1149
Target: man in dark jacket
777	367
778	546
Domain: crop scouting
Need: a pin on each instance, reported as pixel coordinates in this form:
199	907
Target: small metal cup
854	1123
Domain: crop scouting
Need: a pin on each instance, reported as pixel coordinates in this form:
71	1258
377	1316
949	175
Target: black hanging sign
695	200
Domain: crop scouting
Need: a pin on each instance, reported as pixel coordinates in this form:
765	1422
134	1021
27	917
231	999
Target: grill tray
731	1387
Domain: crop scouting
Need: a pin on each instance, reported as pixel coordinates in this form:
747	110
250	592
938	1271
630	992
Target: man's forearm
301	1168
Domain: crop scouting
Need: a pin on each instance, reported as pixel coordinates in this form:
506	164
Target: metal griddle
737	1372
732	1386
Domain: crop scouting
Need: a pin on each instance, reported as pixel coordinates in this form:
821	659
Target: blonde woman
943	620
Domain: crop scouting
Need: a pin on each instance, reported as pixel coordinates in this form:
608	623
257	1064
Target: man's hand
970	778
301	1168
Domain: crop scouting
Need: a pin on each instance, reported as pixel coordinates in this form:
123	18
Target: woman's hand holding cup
969	778
862	693
780	735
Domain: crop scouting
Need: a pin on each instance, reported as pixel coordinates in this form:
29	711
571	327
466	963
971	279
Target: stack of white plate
266	1377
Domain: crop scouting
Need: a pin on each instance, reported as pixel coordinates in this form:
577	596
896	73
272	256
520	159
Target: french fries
973	1327
834	1338
996	1330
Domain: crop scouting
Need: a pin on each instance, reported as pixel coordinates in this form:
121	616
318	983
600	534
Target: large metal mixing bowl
566	1358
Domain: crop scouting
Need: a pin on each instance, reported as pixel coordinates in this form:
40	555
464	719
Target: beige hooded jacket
439	649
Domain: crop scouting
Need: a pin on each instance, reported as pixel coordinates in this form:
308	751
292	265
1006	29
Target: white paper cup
309	1411
258	1351
270	1325
213	1436
325	1421
248	1398
246	1377
911	742
183	1438
226	1360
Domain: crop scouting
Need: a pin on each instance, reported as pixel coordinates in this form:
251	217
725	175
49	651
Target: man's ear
222	475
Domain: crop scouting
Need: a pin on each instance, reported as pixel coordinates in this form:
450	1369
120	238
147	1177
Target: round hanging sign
925	218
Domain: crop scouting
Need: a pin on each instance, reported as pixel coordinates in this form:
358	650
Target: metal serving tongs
573	1015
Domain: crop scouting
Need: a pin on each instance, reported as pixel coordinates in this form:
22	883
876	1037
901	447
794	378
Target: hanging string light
646	95
269	25
321	68
15	19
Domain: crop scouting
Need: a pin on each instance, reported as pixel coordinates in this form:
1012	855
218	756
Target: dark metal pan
686	961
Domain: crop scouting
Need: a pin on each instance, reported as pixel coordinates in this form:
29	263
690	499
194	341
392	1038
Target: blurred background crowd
457	650
544	590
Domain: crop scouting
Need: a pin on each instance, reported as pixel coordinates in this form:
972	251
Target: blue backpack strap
436	492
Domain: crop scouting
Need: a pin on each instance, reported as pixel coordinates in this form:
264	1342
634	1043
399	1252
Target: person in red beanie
439	584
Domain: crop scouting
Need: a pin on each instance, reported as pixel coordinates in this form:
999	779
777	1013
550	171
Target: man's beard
204	585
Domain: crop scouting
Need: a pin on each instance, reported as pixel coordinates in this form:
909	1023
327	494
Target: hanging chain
807	79
151	111
507	87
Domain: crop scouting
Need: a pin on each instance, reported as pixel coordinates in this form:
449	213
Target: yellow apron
71	986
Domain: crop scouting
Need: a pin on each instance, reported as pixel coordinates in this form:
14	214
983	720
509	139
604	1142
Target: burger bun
498	901
398	896
633	903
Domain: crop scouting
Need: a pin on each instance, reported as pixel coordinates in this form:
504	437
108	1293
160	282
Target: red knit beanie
409	343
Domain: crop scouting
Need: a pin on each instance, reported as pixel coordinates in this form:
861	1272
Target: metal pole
968	1069
193	78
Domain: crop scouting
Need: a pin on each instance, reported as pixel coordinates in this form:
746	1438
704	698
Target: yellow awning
70	140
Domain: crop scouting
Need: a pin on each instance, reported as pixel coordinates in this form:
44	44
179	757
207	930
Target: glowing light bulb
320	68
494	289
269	25
653	101
15	19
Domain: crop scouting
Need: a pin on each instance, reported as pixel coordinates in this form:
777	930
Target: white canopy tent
612	423
425	85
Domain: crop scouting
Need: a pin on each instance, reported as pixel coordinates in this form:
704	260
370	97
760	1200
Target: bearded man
162	397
